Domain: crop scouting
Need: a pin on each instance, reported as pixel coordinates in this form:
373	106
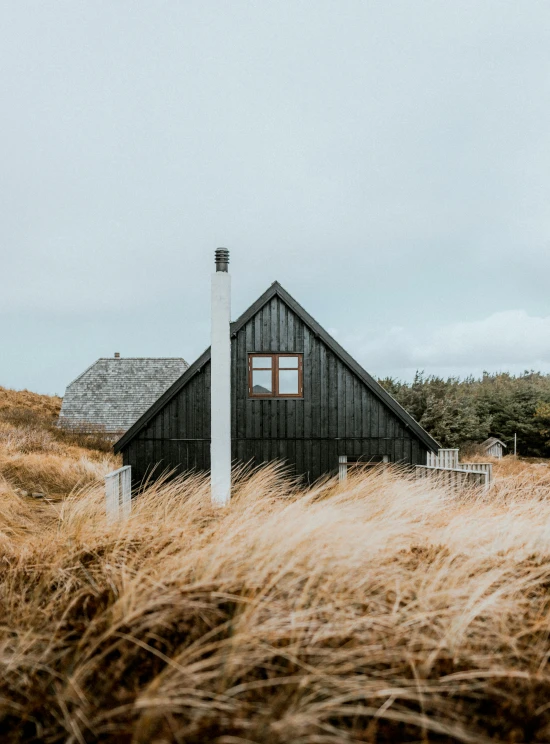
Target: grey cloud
505	341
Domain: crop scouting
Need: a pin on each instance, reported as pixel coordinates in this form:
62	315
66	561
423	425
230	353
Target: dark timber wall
338	414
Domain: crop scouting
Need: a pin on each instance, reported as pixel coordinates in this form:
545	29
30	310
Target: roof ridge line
152	359
119	359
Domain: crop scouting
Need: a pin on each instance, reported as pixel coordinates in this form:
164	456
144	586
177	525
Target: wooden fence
454	478
484	467
118	493
445	458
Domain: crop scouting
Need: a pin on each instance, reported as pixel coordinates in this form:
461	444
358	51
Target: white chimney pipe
220	396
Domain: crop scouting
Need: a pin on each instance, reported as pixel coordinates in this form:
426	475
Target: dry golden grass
36	456
382	610
44	405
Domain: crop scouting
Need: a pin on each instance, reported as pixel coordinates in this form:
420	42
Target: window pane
262	382
288	382
288	362
262	362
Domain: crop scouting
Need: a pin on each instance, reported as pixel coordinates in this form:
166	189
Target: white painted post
118	493
126	491
111	497
342	468
220	447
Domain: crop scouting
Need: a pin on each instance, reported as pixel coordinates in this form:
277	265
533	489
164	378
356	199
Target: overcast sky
387	162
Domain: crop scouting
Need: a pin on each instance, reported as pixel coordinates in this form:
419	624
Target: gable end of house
250	320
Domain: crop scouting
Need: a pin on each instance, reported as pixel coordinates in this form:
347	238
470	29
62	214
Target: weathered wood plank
308	384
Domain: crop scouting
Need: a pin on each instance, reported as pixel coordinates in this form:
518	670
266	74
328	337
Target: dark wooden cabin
297	396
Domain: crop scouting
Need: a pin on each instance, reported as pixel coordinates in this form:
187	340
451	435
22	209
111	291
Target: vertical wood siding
338	414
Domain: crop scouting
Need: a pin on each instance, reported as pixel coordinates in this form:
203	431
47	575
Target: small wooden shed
296	396
494	447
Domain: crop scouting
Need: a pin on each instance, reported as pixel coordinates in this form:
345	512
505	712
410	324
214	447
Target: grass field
382	611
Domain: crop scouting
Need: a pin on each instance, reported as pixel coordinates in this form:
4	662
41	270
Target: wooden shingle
113	393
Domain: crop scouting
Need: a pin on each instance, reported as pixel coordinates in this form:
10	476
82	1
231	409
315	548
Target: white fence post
342	467
118	493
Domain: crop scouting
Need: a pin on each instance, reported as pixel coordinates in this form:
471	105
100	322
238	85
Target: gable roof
113	392
492	440
276	290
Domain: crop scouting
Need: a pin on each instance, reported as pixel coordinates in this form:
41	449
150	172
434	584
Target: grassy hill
36	456
381	610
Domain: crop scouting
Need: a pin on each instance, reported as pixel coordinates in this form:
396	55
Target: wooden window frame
275	375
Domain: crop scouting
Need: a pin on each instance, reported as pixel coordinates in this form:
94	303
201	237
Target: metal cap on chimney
222	259
117	355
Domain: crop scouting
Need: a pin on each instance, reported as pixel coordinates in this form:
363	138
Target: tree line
461	413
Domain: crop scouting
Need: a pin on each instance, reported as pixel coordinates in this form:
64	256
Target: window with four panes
275	375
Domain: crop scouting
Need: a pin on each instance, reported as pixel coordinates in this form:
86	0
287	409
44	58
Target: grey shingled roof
492	440
113	392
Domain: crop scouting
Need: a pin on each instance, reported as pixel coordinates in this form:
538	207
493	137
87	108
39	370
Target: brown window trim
275	375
